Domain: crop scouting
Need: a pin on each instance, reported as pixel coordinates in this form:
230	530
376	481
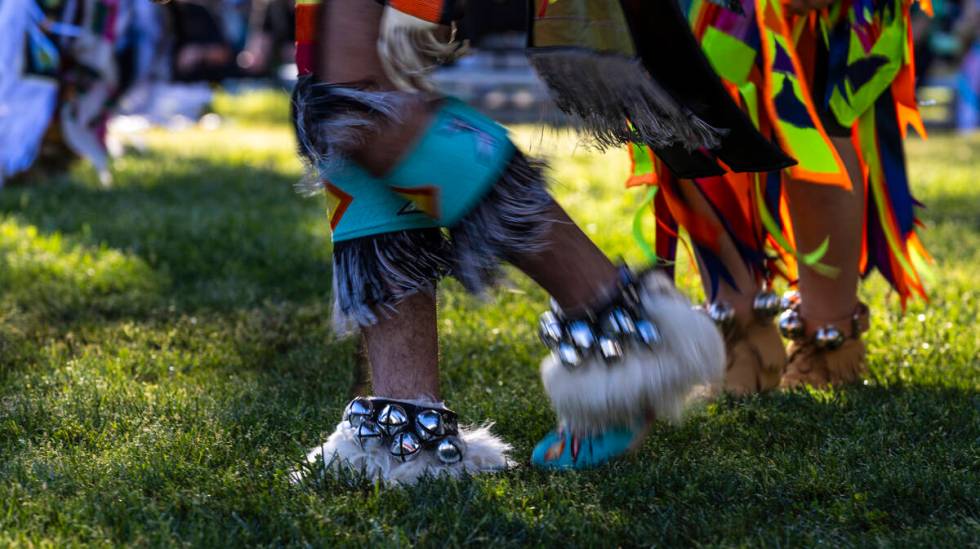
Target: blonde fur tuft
410	48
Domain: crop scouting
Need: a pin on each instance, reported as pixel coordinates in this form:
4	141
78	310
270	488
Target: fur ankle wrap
648	380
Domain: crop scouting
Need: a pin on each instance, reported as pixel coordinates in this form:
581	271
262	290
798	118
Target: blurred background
80	72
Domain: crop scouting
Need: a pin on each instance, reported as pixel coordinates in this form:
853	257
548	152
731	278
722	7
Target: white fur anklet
402	446
648	376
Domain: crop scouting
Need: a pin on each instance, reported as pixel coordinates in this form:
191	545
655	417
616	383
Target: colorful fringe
763	57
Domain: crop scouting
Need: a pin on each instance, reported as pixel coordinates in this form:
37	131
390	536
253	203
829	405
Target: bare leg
571	268
361	385
404	351
820	212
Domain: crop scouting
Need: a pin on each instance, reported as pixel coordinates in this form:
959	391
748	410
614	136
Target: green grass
166	360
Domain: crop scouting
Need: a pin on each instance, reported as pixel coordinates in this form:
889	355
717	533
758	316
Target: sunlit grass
166	359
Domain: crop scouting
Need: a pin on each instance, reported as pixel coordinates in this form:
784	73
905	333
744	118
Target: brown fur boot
819	365
755	358
811	365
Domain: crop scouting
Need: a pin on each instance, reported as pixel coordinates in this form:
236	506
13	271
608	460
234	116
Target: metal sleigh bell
829	337
766	305
359	410
450	450
550	329
392	419
791	325
721	313
790	300
369	434
582	335
405	446
619	323
429	425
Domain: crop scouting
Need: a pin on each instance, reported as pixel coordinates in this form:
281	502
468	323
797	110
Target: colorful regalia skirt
847	71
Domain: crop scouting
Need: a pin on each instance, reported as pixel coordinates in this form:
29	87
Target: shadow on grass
222	235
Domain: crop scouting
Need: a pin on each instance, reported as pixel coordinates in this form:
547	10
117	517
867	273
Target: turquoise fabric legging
443	177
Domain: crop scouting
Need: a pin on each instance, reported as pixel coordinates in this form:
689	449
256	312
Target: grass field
166	360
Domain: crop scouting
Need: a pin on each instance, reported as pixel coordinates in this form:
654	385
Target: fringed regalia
845	71
606	63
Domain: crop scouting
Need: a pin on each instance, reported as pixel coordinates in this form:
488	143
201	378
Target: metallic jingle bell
791	325
619	323
610	349
766	305
647	333
392	419
550	329
582	335
369	434
357	411
829	337
790	300
722	313
450	450
568	354
428	425
405	446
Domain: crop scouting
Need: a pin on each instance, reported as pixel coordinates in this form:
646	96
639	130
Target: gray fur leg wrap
371	275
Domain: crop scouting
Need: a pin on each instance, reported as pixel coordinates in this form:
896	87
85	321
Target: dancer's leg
829	303
570	266
819	212
740	296
403	351
754	353
461	170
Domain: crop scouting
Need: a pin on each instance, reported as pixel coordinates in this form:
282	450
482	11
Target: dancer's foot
812	365
560	449
638	355
400	441
831	356
754	352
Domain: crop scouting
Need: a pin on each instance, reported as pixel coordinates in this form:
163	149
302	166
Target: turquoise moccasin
561	450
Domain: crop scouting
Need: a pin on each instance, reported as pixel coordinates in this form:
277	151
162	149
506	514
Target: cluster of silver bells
767	305
791	325
606	334
405	429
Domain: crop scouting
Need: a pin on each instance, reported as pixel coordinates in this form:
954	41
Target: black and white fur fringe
373	274
509	221
617	101
332	120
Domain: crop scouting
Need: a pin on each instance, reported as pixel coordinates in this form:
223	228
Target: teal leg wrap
461	200
454	164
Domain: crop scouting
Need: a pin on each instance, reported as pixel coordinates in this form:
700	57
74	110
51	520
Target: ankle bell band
793	326
606	330
405	429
